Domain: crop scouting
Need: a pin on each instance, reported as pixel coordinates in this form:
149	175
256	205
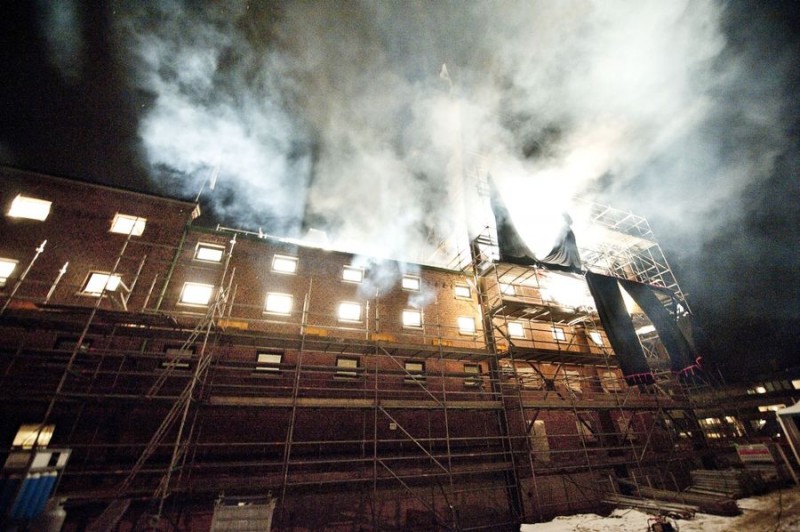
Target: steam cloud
338	115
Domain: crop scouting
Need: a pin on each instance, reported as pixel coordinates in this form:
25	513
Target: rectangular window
348	367
796	384
209	252
466	325
411	282
177	358
473	378
771	408
412	319
595	337
284	264
529	378
30	208
269	362
585	429
610	381
540	446
7	267
197	294
625	427
279	303
572	380
508	289
558	334
97	281
416	369
32	435
349	311
351	274
128	225
516	329
462	291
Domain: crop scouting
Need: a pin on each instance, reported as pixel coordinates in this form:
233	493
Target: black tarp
563	256
682	353
619	328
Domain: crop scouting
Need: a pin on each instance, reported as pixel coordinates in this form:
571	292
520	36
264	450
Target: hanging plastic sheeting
619	328
682	353
563	255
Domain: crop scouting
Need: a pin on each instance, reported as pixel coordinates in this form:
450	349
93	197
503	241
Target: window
473	378
416	369
268	362
572	380
540	446
351	274
98	281
624	425
558	334
348	366
177	358
7	267
412	319
209	252
585	429
462	291
349	311
610	381
771	408
508	289
529	378
32	435
279	303
30	208
70	342
796	384
411	282
284	264
197	294
516	329
466	325
128	225
595	337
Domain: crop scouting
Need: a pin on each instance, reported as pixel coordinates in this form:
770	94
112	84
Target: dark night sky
82	115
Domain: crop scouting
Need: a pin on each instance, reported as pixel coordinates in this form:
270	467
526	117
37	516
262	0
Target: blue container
18	510
48	480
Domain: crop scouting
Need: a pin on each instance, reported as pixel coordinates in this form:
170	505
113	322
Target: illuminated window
756	390
416	369
508	289
268	362
348	366
410	282
770	408
198	294
7	267
128	225
516	329
463	291
596	338
177	358
30	208
279	303
32	435
412	318
796	384
351	274
466	325
349	311
284	264
558	334
209	252
473	379
97	281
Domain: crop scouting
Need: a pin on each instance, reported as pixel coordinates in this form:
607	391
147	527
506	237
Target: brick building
182	368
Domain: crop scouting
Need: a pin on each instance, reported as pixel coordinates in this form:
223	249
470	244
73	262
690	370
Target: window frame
596	338
274	312
183	358
105	289
467	295
268	367
474	379
137	224
201	246
11	266
348	268
409	312
347	372
344	319
417	375
415	283
559	334
29	208
186	285
279	259
469	331
518	335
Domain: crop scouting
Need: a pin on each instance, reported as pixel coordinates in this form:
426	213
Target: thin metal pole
61	273
39	251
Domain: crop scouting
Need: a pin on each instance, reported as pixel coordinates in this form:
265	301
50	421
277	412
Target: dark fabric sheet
512	248
564	255
619	328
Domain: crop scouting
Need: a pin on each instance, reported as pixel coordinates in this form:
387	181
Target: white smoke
334	114
62	31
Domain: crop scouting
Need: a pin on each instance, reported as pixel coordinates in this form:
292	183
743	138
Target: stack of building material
714	503
734	483
671	509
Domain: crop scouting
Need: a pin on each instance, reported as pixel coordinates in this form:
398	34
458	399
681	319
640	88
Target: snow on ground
778	511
